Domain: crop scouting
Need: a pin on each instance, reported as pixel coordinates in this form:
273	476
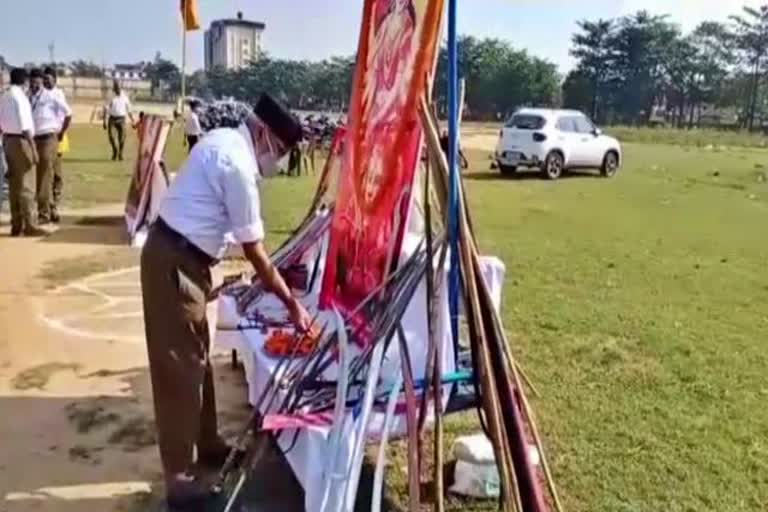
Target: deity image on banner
397	51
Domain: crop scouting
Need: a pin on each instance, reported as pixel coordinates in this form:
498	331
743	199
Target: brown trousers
21	181
47	149
175	287
116	134
58	183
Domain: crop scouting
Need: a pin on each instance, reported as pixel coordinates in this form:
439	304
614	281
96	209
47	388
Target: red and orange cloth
282	343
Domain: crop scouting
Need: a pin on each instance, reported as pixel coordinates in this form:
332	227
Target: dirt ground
75	399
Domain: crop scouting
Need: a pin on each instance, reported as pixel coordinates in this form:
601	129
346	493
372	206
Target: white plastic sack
476	474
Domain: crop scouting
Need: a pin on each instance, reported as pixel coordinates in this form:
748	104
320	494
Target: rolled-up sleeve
243	205
24	113
62	106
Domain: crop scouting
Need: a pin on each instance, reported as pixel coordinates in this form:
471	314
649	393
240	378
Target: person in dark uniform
118	108
192	128
18	131
214	194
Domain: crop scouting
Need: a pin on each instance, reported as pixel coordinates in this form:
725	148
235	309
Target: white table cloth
310	450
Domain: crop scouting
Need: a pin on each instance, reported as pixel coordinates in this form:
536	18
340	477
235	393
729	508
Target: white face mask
268	164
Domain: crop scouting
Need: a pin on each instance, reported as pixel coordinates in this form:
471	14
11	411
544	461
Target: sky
126	31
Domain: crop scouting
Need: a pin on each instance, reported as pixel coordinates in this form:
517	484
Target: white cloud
689	13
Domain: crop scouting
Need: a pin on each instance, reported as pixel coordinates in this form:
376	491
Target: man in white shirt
18	130
118	108
49	82
192	128
47	113
214	196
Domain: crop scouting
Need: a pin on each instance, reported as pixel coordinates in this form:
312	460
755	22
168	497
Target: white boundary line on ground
84	285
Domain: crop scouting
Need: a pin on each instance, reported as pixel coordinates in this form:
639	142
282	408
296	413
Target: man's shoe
43	220
34	231
55	218
16	231
188	495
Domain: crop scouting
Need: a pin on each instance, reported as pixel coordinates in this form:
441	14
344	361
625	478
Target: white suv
555	140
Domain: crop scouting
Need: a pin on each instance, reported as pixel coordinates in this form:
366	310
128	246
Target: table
310	449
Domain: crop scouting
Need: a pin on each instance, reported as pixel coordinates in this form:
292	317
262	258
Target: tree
498	78
593	47
197	84
579	91
642	48
86	69
163	72
751	29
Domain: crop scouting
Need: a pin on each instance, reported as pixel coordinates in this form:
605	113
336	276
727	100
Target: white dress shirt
16	112
192	125
48	112
59	94
119	106
215	193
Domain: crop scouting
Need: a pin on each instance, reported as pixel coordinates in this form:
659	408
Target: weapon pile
342	380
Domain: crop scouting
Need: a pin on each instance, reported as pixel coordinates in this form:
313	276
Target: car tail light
539	137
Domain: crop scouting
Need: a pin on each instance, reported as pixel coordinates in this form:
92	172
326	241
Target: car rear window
526	122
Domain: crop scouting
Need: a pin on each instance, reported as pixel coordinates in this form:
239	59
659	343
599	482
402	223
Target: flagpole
183	54
454	280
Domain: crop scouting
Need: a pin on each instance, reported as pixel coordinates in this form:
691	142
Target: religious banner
150	180
396	57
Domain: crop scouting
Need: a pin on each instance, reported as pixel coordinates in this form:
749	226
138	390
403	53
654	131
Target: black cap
279	119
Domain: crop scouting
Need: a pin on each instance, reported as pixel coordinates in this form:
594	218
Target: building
233	43
126	72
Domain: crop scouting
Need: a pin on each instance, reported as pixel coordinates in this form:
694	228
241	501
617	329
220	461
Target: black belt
45	136
13	135
184	244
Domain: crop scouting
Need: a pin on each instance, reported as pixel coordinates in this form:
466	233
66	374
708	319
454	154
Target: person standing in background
115	113
3	169
47	112
192	128
65	118
18	130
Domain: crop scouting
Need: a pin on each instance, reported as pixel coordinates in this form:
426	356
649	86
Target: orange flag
190	15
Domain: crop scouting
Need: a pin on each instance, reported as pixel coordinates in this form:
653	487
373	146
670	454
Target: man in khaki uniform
48	110
17	128
65	118
215	194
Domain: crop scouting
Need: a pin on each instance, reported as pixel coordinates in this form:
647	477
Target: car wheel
507	170
610	164
553	166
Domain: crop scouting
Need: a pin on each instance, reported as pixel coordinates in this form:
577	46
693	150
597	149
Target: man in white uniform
214	195
51	115
18	130
192	128
49	82
115	113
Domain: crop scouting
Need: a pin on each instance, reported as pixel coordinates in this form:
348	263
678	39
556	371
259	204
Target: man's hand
274	282
300	317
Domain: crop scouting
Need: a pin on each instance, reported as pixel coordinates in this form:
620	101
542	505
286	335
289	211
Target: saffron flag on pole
190	14
397	52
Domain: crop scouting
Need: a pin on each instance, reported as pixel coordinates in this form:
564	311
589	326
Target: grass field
639	305
697	137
